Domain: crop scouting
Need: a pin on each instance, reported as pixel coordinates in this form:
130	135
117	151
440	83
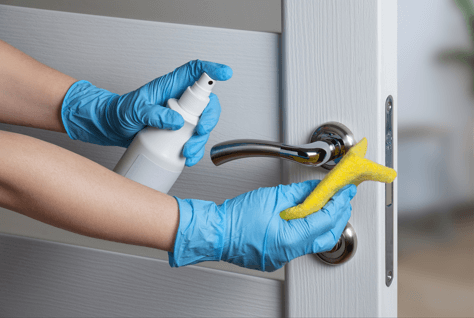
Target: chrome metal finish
329	142
313	154
389	192
343	251
339	138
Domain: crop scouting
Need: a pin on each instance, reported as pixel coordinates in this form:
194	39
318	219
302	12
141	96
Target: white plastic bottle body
154	158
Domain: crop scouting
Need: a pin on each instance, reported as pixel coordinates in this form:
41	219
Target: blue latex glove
98	116
248	231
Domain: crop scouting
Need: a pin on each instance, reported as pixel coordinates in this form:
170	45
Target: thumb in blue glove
98	116
248	231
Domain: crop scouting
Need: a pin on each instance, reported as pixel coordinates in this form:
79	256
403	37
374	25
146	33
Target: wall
436	103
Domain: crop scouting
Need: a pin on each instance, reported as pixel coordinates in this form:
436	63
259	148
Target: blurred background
436	131
436	157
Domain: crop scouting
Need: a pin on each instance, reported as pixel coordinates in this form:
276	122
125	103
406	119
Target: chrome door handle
328	143
313	154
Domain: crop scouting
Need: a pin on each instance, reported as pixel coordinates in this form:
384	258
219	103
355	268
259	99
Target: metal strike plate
389	192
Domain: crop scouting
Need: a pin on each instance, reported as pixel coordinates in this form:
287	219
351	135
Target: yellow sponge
353	168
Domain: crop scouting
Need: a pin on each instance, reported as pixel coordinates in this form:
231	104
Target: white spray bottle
154	158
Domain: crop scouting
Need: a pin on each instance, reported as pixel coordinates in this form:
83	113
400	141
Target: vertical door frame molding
339	63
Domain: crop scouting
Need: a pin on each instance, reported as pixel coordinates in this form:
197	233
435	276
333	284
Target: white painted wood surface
46	279
339	64
121	55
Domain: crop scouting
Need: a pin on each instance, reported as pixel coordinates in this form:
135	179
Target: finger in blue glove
248	231
194	148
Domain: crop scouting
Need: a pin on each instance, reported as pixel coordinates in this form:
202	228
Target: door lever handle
328	143
312	154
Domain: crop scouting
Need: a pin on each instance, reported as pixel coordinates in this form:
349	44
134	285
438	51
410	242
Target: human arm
31	93
35	95
61	188
58	187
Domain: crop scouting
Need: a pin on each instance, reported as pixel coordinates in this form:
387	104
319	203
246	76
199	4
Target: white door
338	63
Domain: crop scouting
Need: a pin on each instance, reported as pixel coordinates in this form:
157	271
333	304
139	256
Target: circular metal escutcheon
344	249
336	134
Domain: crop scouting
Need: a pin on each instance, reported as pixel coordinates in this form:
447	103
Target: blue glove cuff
82	113
200	235
68	102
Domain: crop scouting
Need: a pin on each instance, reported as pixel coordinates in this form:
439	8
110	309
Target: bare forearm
31	93
61	188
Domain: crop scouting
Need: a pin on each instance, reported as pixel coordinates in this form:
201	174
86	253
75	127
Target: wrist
67	105
84	106
200	235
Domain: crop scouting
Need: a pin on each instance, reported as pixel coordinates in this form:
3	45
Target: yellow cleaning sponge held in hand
352	169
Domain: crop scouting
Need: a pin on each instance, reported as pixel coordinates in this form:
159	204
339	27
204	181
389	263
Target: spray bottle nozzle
196	97
205	82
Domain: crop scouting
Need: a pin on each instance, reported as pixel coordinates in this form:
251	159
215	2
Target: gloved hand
98	116
248	231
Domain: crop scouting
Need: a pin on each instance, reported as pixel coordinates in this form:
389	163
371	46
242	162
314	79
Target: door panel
261	15
121	55
47	279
